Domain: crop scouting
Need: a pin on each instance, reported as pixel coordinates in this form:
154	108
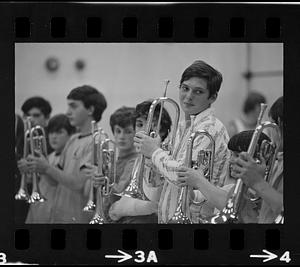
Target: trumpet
106	166
98	136
134	189
231	212
23	191
268	151
37	143
205	159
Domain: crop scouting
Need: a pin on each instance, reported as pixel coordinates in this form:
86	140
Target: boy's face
140	124
193	96
77	113
124	137
272	134
37	117
58	139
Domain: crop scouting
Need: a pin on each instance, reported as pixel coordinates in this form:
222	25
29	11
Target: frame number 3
2	258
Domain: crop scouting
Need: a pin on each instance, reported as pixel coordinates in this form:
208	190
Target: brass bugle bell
279	219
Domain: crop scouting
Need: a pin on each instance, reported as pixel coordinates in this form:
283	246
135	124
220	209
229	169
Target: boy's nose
189	95
68	113
122	135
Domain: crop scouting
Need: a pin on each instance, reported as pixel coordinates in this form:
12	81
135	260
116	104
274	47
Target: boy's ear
91	110
280	124
213	98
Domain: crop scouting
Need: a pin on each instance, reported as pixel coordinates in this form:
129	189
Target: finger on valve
98	180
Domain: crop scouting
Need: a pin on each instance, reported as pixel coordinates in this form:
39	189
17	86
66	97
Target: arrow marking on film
269	256
124	257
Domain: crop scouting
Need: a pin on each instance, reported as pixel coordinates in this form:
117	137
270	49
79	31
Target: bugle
37	143
98	136
106	167
134	189
23	191
231	212
205	160
268	151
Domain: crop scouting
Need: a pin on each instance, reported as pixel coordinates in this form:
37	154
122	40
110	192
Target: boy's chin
124	148
189	111
73	123
55	148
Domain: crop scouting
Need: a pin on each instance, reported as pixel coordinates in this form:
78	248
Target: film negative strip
126	50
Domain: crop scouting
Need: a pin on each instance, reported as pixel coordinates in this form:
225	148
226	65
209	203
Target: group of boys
66	175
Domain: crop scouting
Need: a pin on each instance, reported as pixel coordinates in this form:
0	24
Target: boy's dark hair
122	117
241	141
90	96
37	102
142	110
253	99
202	70
58	122
276	110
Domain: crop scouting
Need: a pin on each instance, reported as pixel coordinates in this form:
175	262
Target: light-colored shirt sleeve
165	164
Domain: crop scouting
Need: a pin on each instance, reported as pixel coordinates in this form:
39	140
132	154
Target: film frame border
183	29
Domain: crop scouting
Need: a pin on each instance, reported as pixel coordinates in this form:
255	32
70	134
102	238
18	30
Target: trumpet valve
106	189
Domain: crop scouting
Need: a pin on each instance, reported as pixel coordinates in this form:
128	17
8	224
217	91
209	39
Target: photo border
182	250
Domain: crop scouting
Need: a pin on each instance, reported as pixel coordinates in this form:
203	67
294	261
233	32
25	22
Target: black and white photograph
148	133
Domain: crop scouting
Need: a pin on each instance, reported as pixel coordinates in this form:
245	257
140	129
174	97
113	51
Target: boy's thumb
38	152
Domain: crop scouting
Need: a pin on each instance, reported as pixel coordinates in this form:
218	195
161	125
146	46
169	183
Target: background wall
128	73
